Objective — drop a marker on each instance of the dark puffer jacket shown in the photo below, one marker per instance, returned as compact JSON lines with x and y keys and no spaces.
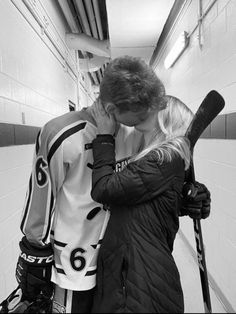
{"x":136,"y":270}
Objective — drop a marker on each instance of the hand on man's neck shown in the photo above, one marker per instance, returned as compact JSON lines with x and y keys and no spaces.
{"x":89,"y":111}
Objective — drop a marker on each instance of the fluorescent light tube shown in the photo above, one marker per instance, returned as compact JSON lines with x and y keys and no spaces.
{"x":178,"y":48}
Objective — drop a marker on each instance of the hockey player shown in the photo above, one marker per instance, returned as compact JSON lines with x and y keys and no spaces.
{"x":62,"y":226}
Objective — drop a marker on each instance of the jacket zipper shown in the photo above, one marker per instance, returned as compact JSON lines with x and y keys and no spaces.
{"x":124,"y":290}
{"x":123,"y":274}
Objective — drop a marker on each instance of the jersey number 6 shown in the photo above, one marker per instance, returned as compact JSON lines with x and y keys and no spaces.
{"x":41,"y":173}
{"x":77,"y":261}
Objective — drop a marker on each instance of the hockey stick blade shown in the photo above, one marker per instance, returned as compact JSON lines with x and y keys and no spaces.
{"x":210,"y":107}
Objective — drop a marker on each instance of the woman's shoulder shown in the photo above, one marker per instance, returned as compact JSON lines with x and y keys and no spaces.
{"x":155,"y":157}
{"x":153,"y":161}
{"x":157,"y":176}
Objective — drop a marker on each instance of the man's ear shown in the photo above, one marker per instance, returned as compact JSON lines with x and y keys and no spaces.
{"x":109,"y":107}
{"x":163,"y":104}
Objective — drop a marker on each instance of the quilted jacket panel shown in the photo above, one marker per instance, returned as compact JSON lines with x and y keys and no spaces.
{"x":136,"y":269}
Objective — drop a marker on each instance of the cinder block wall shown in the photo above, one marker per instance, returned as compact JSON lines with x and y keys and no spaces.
{"x":35,"y":86}
{"x":195,"y":73}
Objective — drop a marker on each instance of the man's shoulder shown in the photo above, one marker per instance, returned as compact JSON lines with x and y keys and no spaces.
{"x":68,"y":123}
{"x":65,"y":119}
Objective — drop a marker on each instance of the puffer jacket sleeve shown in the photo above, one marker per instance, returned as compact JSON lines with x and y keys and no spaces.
{"x":138,"y":182}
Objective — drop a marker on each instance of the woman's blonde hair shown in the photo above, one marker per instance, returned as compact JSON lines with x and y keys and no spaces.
{"x":168,"y":138}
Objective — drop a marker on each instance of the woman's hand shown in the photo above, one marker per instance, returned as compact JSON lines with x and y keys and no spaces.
{"x":105,"y":122}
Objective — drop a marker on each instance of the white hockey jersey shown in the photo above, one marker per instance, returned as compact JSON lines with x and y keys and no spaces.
{"x":58,"y":206}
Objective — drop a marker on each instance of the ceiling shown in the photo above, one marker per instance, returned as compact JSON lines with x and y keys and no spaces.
{"x":131,"y":27}
{"x":134,"y":26}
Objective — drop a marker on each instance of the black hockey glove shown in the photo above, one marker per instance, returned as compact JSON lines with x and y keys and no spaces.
{"x":17,"y":303}
{"x":33,"y":270}
{"x":196,"y":201}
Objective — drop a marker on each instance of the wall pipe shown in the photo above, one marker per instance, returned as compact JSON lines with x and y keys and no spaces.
{"x":92,"y":21}
{"x":200,"y":23}
{"x":98,"y":19}
{"x":91,"y":18}
{"x":79,"y":6}
{"x":74,"y":28}
{"x":81,"y":11}
{"x":99,"y":25}
{"x":91,"y":65}
{"x":88,"y":43}
{"x":96,"y":34}
{"x":68,"y":15}
{"x":201,"y":17}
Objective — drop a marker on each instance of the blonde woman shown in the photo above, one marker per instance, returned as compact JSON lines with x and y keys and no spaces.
{"x":136,"y":269}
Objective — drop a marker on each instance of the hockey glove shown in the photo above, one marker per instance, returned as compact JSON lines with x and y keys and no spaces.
{"x":33,"y":270}
{"x":196,"y":201}
{"x":16,"y":303}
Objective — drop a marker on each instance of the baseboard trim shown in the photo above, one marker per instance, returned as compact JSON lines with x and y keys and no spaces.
{"x":17,"y":134}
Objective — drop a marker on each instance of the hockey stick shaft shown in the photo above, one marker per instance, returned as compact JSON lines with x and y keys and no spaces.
{"x":212,"y":104}
{"x":201,"y":257}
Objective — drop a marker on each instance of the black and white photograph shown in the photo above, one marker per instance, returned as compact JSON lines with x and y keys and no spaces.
{"x":117,"y":156}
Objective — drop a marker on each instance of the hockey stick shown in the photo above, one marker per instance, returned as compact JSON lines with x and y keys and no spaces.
{"x":212,"y":104}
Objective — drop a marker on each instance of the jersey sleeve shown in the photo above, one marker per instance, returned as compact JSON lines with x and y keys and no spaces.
{"x":48,"y":172}
{"x":136,"y":183}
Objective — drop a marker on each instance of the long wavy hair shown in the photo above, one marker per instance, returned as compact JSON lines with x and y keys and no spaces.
{"x":168,"y":137}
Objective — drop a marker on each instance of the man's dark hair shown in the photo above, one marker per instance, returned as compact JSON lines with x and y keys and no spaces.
{"x":131,"y":85}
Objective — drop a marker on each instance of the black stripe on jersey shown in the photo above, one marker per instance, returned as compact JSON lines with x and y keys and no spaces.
{"x":37,"y":143}
{"x":91,"y":272}
{"x":60,"y":271}
{"x":88,"y":146}
{"x":93,"y":213}
{"x":64,"y":135}
{"x":96,"y":245}
{"x":49,"y":218}
{"x":90,"y":165}
{"x":27,"y":205}
{"x":60,"y":243}
{"x":65,"y":297}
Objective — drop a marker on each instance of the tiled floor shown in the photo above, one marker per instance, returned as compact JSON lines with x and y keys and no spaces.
{"x":190,"y":279}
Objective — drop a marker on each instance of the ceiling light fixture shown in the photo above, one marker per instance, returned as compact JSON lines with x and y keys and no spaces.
{"x":180,"y":45}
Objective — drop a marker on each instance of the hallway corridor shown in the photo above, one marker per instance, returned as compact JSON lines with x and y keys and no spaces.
{"x":53,"y":58}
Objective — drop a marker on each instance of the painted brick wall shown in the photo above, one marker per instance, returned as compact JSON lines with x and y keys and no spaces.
{"x":14,"y":174}
{"x":34,"y":87}
{"x":195,"y":73}
{"x":32,"y":81}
